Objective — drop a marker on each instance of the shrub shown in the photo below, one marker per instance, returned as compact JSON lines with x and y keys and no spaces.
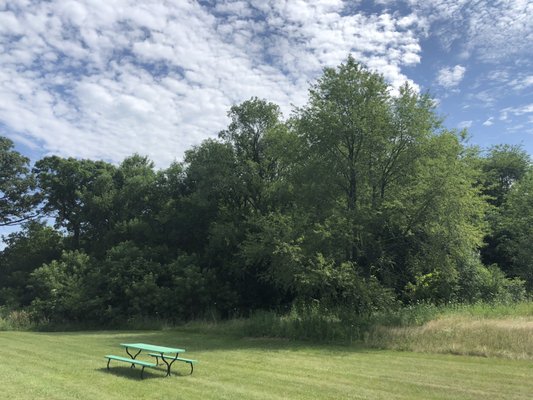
{"x":62,"y":288}
{"x":341,"y":289}
{"x":15,"y":320}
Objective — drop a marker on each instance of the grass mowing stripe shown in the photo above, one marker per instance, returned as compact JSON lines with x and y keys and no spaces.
{"x":249,"y":369}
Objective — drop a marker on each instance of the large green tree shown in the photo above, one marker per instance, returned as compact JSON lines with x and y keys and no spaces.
{"x":76,"y":193}
{"x":392,"y":189}
{"x":501,"y":167}
{"x":26,"y":250}
{"x":17,"y":199}
{"x":515,"y":230}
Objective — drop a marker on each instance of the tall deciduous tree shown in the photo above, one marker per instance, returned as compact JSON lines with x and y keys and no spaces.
{"x":253,"y":134}
{"x":26,"y":250}
{"x":515,"y":230}
{"x":395,"y":188}
{"x":502,"y":167}
{"x":17,"y":200}
{"x":68,"y":186}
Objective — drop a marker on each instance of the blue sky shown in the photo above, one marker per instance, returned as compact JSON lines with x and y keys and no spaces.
{"x":104,"y":79}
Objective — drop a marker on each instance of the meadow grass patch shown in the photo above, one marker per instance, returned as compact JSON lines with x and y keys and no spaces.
{"x":70,"y":365}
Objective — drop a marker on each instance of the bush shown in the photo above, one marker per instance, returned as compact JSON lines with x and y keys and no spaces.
{"x":304,"y":322}
{"x":434,"y":287}
{"x":15,"y":320}
{"x":340,"y":289}
{"x":62,"y":288}
{"x":489,"y":284}
{"x":472,"y":283}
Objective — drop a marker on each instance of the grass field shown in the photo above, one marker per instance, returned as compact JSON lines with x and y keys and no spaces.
{"x":72,"y":366}
{"x":509,"y":338}
{"x":480,"y":329}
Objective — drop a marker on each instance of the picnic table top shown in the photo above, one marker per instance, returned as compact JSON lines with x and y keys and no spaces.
{"x":152,"y":347}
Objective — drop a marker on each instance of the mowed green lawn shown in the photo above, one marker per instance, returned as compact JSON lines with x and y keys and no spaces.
{"x":72,"y":366}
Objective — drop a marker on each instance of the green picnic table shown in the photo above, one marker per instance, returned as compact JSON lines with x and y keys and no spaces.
{"x":165,"y":353}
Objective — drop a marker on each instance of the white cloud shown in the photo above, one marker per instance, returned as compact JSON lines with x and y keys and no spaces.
{"x":527,"y":109}
{"x":104,"y":79}
{"x":450,"y":77}
{"x":522,"y":83}
{"x":490,"y":31}
{"x":464,"y":124}
{"x":508,"y":112}
{"x":489,"y":122}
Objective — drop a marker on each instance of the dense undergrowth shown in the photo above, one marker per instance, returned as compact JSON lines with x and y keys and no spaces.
{"x":315,"y":324}
{"x":501,"y":330}
{"x":482,"y":329}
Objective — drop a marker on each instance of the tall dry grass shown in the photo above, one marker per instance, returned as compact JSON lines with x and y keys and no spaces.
{"x":460,"y":334}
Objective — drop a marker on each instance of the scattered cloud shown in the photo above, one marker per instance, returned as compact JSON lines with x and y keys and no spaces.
{"x":508,"y":112}
{"x":450,"y":77}
{"x":464,"y":124}
{"x":527,"y":109}
{"x":100,"y":79}
{"x":489,"y":31}
{"x":522,"y":83}
{"x":489,"y":122}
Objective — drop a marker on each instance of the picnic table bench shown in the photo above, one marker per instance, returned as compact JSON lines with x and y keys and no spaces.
{"x":165,"y":353}
{"x":168,"y":357}
{"x":132,"y":361}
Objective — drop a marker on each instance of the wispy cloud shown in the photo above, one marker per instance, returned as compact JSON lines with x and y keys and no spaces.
{"x":464,"y":124}
{"x":450,"y":77}
{"x":527,"y":109}
{"x":104,"y":79}
{"x":522,"y":82}
{"x":489,"y":31}
{"x":489,"y":122}
{"x":508,"y":112}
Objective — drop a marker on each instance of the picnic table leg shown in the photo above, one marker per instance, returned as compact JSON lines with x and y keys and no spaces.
{"x":132,"y":356}
{"x":166,"y":362}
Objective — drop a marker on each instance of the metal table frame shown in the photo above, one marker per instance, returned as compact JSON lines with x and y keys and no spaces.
{"x":155,"y":349}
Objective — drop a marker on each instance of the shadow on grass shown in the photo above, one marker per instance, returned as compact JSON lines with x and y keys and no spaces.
{"x":135,"y":373}
{"x":131,"y":373}
{"x":196,"y":343}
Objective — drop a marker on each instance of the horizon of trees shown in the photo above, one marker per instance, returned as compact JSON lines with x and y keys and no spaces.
{"x":360,"y":201}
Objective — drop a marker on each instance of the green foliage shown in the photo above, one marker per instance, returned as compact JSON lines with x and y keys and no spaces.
{"x":26,"y":250}
{"x":130,"y":282}
{"x":61,"y":288}
{"x":472,"y":282}
{"x":274,"y":247}
{"x":341,"y":288}
{"x":17,"y":200}
{"x":395,"y":193}
{"x":185,"y":290}
{"x":515,"y":230}
{"x":502,"y":167}
{"x":75,"y":193}
{"x":361,"y":200}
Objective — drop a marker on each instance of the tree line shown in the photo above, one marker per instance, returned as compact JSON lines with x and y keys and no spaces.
{"x":361,"y":200}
